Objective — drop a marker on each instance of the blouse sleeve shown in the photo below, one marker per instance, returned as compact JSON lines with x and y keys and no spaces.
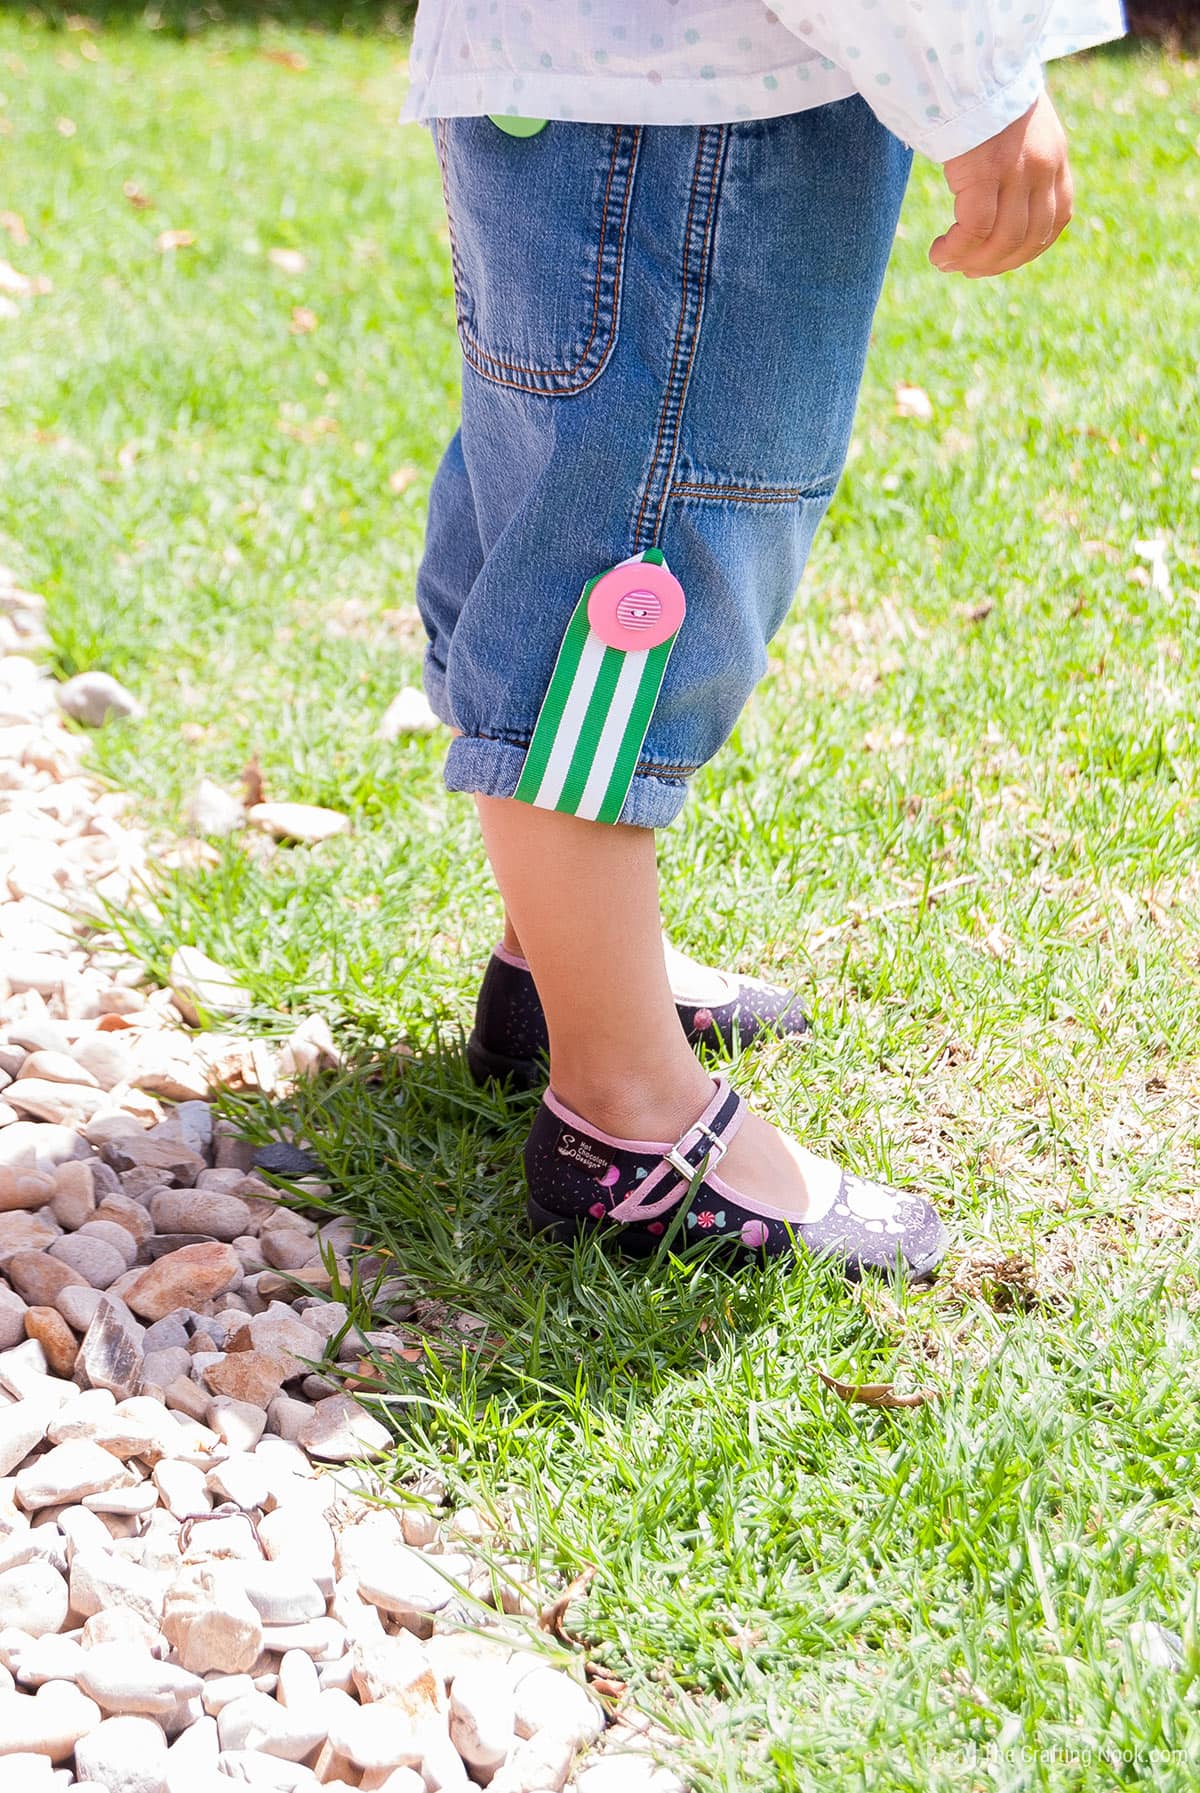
{"x":944,"y":75}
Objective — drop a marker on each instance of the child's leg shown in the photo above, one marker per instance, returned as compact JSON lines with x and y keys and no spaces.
{"x":663,"y":334}
{"x":585,"y":900}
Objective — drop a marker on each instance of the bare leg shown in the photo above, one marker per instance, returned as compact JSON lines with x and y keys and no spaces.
{"x":584,"y":902}
{"x":583,"y":899}
{"x":690,"y":981}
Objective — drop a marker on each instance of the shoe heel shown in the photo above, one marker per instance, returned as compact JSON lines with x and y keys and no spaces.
{"x":496,"y":1067}
{"x":563,"y":1229}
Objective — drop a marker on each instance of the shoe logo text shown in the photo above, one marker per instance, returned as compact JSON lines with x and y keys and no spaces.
{"x":581,"y":1152}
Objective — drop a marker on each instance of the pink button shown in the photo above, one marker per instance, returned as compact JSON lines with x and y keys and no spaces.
{"x":636,"y":606}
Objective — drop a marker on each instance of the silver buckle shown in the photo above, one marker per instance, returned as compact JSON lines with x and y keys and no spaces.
{"x":717,"y":1149}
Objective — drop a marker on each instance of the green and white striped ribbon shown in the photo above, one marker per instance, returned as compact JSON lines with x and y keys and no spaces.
{"x":593,"y":720}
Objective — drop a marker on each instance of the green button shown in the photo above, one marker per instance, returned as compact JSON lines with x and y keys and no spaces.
{"x":517,"y":127}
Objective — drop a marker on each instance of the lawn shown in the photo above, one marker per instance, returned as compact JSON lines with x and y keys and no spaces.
{"x":964,"y":812}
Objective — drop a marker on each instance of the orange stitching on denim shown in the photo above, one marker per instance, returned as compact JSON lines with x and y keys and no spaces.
{"x":473,"y":348}
{"x":710,"y":224}
{"x":662,"y":415}
{"x":653,"y":769}
{"x":751,"y":494}
{"x":557,"y":372}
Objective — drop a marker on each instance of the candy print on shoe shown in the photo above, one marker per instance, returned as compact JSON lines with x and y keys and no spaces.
{"x":641,"y":1188}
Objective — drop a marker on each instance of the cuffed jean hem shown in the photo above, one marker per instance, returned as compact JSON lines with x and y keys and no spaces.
{"x":493,"y":769}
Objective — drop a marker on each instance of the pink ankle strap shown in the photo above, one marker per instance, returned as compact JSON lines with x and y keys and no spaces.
{"x":704,"y":1143}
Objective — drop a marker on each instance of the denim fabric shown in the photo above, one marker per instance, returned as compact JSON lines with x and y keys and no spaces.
{"x":663,"y":333}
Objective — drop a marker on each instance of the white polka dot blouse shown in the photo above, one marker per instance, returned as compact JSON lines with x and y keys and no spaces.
{"x":944,"y":75}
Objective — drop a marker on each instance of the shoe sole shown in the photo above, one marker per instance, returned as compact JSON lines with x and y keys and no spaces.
{"x":564,"y":1229}
{"x":496,"y":1067}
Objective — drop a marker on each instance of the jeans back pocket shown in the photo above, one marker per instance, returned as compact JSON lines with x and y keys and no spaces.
{"x":537,"y":233}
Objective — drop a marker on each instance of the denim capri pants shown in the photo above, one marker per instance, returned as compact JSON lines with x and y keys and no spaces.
{"x":663,"y":332}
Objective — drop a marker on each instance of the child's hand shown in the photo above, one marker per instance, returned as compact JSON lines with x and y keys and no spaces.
{"x":1012,"y":197}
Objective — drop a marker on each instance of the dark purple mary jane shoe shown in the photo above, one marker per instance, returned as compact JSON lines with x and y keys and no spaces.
{"x":509,"y":1041}
{"x":581,"y":1178}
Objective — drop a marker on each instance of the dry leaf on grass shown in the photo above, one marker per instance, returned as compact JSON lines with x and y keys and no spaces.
{"x":914,"y":401}
{"x":141,"y":202}
{"x":168,"y":240}
{"x":303,"y":320}
{"x":878,"y":1394}
{"x":252,"y":782}
{"x":997,"y":943}
{"x":290,"y":59}
{"x":290,"y":261}
{"x":604,"y":1683}
{"x":401,"y":479}
{"x":552,"y":1618}
{"x":14,"y":224}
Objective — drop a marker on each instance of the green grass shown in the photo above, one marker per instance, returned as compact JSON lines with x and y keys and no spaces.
{"x":978,"y":693}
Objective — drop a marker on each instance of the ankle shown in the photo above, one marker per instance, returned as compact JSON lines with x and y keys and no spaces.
{"x":655,"y":1102}
{"x":510,"y":940}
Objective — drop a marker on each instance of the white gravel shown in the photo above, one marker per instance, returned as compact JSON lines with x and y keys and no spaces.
{"x":199,"y":1584}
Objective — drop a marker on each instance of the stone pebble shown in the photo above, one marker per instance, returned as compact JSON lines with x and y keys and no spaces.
{"x":47,"y":1326}
{"x":204,"y":1211}
{"x":125,"y":1755}
{"x":179,"y":1463}
{"x":96,"y":1260}
{"x":192,"y":1273}
{"x":66,"y":1473}
{"x":12,"y":1318}
{"x":23,"y":1427}
{"x":481,"y":1719}
{"x":547,"y":1700}
{"x":124,"y":1680}
{"x":77,"y":1303}
{"x":39,"y":1277}
{"x":50,"y":1722}
{"x":33,"y":1598}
